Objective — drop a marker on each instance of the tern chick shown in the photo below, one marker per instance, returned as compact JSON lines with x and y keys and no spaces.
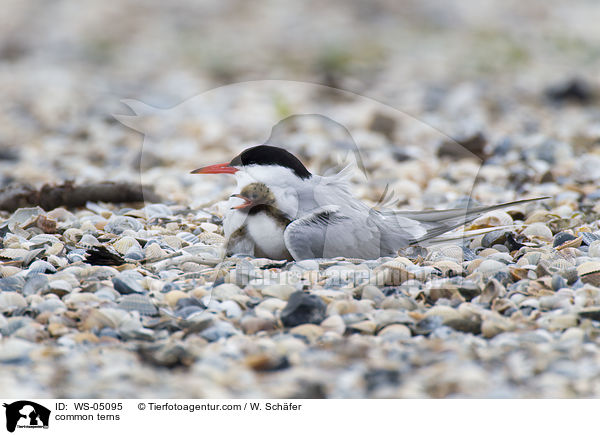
{"x":264,"y":226}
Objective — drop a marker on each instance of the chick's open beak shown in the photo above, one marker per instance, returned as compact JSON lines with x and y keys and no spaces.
{"x":246,"y":203}
{"x":221,"y":168}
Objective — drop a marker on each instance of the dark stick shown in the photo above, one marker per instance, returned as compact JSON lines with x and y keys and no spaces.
{"x":68,"y":194}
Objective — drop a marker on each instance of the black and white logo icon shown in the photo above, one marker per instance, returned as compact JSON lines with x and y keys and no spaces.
{"x":24,"y":414}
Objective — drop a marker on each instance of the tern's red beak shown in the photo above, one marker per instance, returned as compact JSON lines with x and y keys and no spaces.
{"x":247,"y":202}
{"x":221,"y":168}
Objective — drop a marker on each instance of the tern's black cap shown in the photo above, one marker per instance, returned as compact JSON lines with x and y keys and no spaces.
{"x":269,"y":155}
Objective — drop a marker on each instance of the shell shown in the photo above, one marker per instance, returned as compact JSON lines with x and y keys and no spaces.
{"x":24,"y":217}
{"x":104,"y":318}
{"x":87,"y":241}
{"x":398,"y":263}
{"x":13,"y":254}
{"x":209,"y":227}
{"x":588,"y":267}
{"x":570,"y":243}
{"x":41,"y":240}
{"x":489,"y":268}
{"x":594,"y":250}
{"x":31,"y":255}
{"x":134,"y":253}
{"x":76,"y":255}
{"x":173,"y":242}
{"x":496,"y":218}
{"x":538,"y":231}
{"x":448,"y":268}
{"x":55,"y":249}
{"x":6,"y":271}
{"x":41,"y":266}
{"x":590,"y":273}
{"x":58,"y":287}
{"x":589,"y":238}
{"x":10,"y":301}
{"x":188,"y":237}
{"x":561,"y":264}
{"x":89,"y":228}
{"x":538,"y":216}
{"x":124,"y":244}
{"x":72,"y":235}
{"x":154,"y":211}
{"x":139,"y":303}
{"x":154,"y":252}
{"x":119,"y":224}
{"x":61,"y":215}
{"x":135,"y":213}
{"x":211,"y":238}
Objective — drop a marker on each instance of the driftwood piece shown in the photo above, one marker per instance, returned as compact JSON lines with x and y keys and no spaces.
{"x":68,"y":194}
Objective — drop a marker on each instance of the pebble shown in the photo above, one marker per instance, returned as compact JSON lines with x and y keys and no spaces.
{"x":278,"y":291}
{"x":308,"y":331}
{"x":303,"y":308}
{"x":127,"y":285}
{"x":225,"y":291}
{"x":395,"y":332}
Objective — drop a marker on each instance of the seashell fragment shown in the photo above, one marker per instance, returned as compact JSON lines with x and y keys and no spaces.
{"x":590,"y":273}
{"x":139,"y":303}
{"x":124,"y":244}
{"x":538,"y":230}
{"x":119,"y":224}
{"x":211,"y":238}
{"x":154,"y":252}
{"x":188,"y":237}
{"x":72,"y":235}
{"x":496,"y":218}
{"x":10,"y":301}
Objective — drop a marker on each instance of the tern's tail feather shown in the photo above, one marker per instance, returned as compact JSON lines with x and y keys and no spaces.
{"x":437,"y":222}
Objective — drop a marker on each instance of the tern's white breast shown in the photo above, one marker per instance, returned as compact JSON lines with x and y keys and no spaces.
{"x":267,"y":235}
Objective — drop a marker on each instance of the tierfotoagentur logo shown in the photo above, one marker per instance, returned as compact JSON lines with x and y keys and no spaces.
{"x":24,"y":414}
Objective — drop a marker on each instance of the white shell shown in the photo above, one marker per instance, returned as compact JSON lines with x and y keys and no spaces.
{"x":11,"y":301}
{"x":496,"y":218}
{"x":154,"y":252}
{"x":538,"y":231}
{"x":72,"y":235}
{"x":211,"y":238}
{"x":124,"y":244}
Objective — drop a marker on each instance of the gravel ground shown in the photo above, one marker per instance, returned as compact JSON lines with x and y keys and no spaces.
{"x":489,"y":100}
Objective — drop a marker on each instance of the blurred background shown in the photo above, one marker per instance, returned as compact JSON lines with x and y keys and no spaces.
{"x":462,"y":67}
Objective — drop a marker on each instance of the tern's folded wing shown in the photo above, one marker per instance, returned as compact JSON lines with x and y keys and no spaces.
{"x":334,"y":231}
{"x":305,"y":237}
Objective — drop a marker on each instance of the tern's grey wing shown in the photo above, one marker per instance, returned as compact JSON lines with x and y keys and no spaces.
{"x":357,"y":231}
{"x":305,"y":237}
{"x":334,"y":231}
{"x":327,"y":233}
